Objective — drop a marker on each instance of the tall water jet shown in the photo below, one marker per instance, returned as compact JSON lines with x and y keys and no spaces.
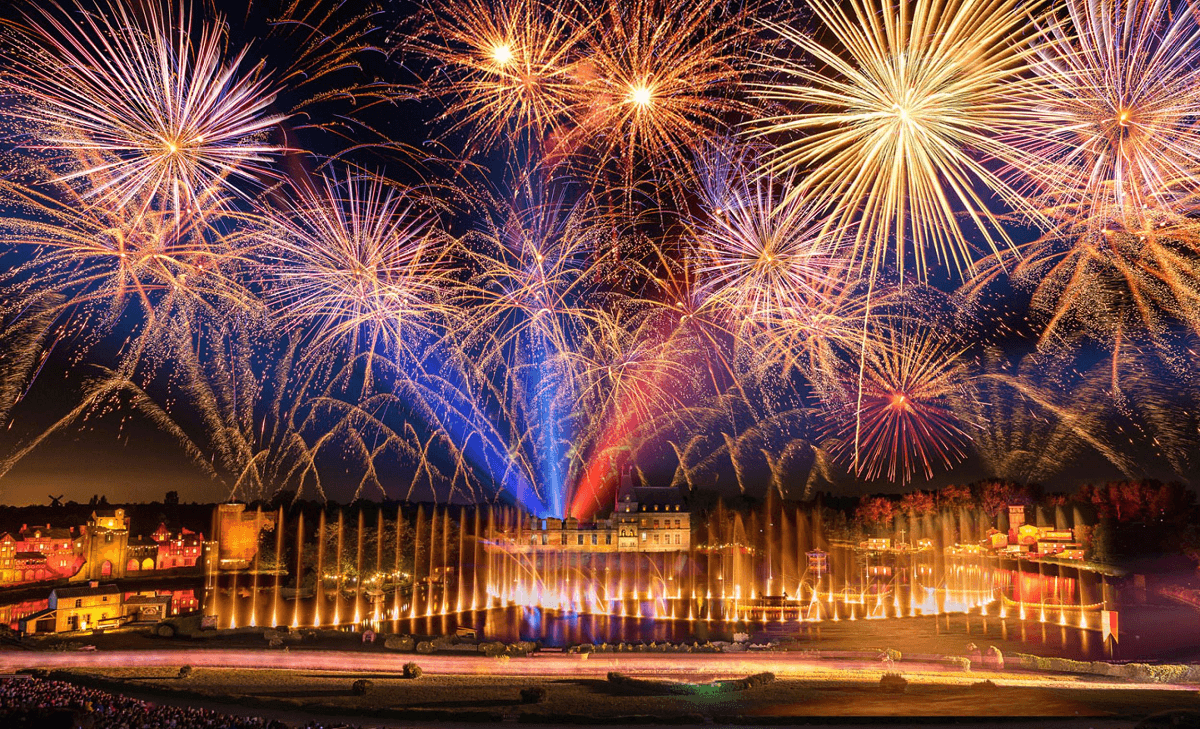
{"x":358,"y":570}
{"x":299,"y":569}
{"x":278,"y":568}
{"x":445,"y":559}
{"x":319,"y":587}
{"x":476,"y":561}
{"x":339,"y":574}
{"x":416,"y":581}
{"x":396,"y":569}
{"x":257,"y":561}
{"x":492,"y":573}
{"x":379,"y":571}
{"x":211,"y":566}
{"x":433,"y":537}
{"x":462,"y":551}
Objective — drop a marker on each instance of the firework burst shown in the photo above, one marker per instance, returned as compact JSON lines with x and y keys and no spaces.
{"x":765,"y":257}
{"x":1112,"y":157}
{"x":905,"y":421}
{"x":356,"y":260}
{"x":502,"y":67}
{"x":1109,"y":137}
{"x":143,"y":105}
{"x":537,"y":269}
{"x":659,"y":80}
{"x":897,"y":118}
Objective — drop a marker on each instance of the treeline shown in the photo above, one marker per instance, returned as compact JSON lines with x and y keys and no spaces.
{"x":1116,"y":521}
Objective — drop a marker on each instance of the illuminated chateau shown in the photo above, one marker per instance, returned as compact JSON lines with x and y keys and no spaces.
{"x":644,"y":519}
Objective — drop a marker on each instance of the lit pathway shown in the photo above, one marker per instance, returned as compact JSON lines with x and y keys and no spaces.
{"x":697,"y":667}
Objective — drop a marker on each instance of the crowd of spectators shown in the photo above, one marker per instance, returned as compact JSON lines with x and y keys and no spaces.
{"x":35,"y":703}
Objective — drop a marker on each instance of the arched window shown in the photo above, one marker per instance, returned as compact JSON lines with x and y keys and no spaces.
{"x":132,"y":566}
{"x":106,"y":569}
{"x":147,"y":564}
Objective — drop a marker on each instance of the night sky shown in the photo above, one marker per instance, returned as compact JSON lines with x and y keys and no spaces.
{"x":393,"y":125}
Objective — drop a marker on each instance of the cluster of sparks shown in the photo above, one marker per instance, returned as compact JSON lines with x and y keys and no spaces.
{"x":712,"y":236}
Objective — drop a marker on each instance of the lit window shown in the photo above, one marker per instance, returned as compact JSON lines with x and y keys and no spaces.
{"x":643,"y":536}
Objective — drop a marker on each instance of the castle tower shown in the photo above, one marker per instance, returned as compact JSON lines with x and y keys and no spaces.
{"x":104,"y":543}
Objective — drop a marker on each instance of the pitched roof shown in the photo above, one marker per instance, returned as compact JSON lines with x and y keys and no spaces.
{"x":660,"y":495}
{"x":86,"y":591}
{"x":47,"y":532}
{"x":147,"y":599}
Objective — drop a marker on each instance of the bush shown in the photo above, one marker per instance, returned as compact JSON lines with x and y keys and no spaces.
{"x":360,"y":686}
{"x":425,"y":648}
{"x":276,"y":642}
{"x":892,"y":655}
{"x":534,"y":695}
{"x":893,"y":683}
{"x":759,"y":679}
{"x":986,"y":685}
{"x":164,"y":630}
{"x":1154,"y":674}
{"x":491,"y":650}
{"x":185,"y":671}
{"x":400,"y":643}
{"x":962,"y":663}
{"x":412,"y":670}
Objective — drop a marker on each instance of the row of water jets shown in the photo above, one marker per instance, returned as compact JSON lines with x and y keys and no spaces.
{"x":777,"y":566}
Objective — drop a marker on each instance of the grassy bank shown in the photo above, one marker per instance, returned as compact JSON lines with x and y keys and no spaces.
{"x":489,"y":699}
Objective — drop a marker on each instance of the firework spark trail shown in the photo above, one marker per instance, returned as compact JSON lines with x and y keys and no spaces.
{"x":315,"y":51}
{"x":161,"y":114}
{"x":95,"y":255}
{"x":1028,"y":431}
